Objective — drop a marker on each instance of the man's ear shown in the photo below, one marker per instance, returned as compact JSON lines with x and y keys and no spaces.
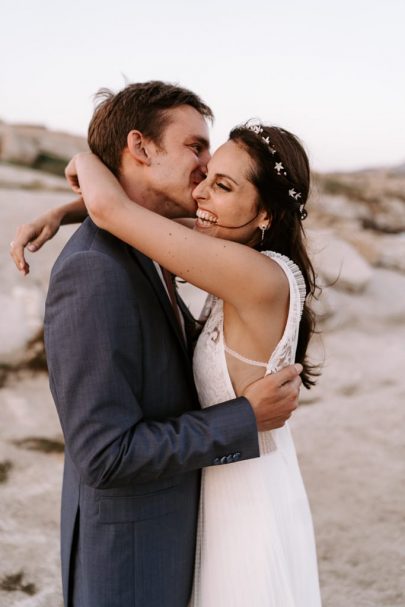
{"x":138,"y":147}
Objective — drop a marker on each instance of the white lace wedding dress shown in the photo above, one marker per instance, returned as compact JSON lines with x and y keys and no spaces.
{"x":255,"y":543}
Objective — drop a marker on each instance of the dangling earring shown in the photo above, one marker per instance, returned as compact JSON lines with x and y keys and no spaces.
{"x":263,"y":229}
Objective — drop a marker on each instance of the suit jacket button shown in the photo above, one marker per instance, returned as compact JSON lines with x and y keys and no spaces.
{"x":223,"y":459}
{"x":229,"y":459}
{"x":236,"y":457}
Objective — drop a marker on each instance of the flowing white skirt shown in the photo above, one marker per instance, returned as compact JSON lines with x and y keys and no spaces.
{"x":255,"y":544}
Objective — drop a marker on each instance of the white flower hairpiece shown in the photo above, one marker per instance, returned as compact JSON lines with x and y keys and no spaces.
{"x":256,"y":128}
{"x":278,"y":166}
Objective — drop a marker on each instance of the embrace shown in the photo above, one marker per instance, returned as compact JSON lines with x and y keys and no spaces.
{"x":181,"y":484}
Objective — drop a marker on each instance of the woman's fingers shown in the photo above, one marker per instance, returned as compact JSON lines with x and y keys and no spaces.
{"x":71,"y":176}
{"x":25,"y":234}
{"x":45,"y":235}
{"x":31,"y":237}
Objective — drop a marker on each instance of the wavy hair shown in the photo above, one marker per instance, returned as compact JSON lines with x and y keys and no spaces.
{"x":268,"y":145}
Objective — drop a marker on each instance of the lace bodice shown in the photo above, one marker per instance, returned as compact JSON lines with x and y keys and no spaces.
{"x":210,"y":369}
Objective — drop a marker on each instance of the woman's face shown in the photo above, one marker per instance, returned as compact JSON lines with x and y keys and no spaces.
{"x":227,"y":200}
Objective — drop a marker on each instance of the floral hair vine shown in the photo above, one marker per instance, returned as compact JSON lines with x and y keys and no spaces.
{"x":279,"y":167}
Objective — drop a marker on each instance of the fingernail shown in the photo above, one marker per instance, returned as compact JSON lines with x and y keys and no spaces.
{"x":299,"y":368}
{"x":31,"y":247}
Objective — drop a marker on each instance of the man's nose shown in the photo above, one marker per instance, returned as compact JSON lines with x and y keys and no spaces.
{"x":205,"y":157}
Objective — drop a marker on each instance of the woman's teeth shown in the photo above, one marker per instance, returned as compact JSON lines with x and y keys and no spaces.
{"x":206,"y":217}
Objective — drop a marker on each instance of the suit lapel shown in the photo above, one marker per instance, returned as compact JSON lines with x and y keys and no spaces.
{"x":150,"y":272}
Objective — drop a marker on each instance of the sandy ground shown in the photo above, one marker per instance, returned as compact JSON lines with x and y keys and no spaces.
{"x":352,"y":452}
{"x":349,"y":434}
{"x":29,"y":524}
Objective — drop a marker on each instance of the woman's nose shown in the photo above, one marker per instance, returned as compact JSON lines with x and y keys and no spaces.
{"x":200,"y":190}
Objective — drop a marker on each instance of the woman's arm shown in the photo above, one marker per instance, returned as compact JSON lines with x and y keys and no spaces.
{"x":36,"y":233}
{"x":232,"y":271}
{"x":186,"y":221}
{"x":72,"y":212}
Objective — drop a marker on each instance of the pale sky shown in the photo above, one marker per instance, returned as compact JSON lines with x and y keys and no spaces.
{"x":331,"y":72}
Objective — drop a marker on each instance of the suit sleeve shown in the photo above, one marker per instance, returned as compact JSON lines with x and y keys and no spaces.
{"x":94,"y":351}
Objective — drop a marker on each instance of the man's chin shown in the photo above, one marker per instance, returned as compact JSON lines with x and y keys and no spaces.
{"x":187,"y":209}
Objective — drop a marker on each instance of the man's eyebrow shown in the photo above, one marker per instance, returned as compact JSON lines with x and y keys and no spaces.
{"x":201,"y":140}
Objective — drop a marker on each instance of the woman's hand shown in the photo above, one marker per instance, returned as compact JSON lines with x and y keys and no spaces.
{"x":32,"y":236}
{"x":36,"y":233}
{"x":71,"y":173}
{"x":84,"y":173}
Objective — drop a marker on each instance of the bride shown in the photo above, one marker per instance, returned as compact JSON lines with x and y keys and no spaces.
{"x":255,"y":540}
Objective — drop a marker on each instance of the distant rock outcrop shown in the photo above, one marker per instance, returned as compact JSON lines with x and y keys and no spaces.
{"x":338,"y":263}
{"x":398,"y":170}
{"x":375,"y":199}
{"x":37,"y":147}
{"x":23,"y":310}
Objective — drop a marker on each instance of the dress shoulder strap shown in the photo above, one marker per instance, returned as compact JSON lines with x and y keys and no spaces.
{"x":284,"y":353}
{"x":248,"y":361}
{"x":293,"y":273}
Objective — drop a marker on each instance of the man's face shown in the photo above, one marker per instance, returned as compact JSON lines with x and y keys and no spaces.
{"x":181,"y":162}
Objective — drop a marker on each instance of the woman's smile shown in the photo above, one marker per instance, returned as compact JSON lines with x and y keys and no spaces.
{"x":205,"y":218}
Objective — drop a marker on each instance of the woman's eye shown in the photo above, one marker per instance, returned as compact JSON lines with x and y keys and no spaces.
{"x":223,"y":187}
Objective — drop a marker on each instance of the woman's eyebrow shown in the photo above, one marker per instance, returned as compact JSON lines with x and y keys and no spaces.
{"x":222,"y":175}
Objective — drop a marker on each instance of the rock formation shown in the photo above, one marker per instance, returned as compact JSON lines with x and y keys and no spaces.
{"x":37,"y":147}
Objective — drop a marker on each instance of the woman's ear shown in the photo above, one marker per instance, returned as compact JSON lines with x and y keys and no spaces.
{"x":265,"y":219}
{"x":138,"y":147}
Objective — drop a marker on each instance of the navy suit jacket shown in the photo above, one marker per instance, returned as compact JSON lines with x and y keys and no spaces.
{"x":135,"y":437}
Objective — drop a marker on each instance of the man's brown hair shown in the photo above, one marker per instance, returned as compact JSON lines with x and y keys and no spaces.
{"x":141,"y":106}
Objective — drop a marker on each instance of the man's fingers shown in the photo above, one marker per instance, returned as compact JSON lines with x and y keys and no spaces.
{"x":292,"y":391}
{"x":295,"y":385}
{"x":290,"y":373}
{"x":299,"y":368}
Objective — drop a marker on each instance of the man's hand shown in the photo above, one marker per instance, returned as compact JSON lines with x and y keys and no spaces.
{"x":275,"y":397}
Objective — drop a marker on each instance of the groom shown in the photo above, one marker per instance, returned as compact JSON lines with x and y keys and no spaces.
{"x":121,"y":375}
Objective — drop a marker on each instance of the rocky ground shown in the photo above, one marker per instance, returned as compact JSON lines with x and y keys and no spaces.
{"x":349,"y":430}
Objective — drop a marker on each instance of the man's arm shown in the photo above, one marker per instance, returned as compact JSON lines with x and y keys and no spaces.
{"x":94,"y":349}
